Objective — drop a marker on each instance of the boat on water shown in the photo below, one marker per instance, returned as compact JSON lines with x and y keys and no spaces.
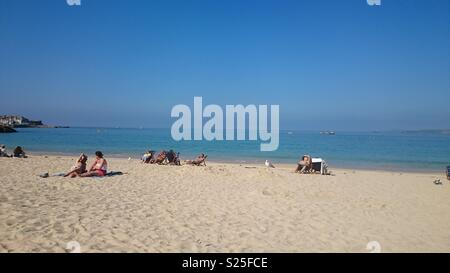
{"x":330,"y":133}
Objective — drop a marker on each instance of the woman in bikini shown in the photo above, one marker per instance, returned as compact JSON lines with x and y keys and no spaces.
{"x":99,"y":168}
{"x":201,"y":159}
{"x":79,"y":168}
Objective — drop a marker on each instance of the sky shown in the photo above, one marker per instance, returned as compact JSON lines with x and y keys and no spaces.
{"x":338,"y":65}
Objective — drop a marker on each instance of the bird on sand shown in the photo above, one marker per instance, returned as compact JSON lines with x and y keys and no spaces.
{"x":269,"y":164}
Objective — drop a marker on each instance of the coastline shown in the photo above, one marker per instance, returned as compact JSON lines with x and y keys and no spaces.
{"x":218,"y":208}
{"x":362,"y":151}
{"x":258,"y":162}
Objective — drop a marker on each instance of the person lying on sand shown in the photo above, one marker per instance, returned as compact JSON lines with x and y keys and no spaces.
{"x":99,"y":168}
{"x":79,"y":168}
{"x":201,"y":159}
{"x":304,"y":165}
{"x":18,"y":152}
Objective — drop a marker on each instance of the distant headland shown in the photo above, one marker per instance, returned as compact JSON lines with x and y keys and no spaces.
{"x":435,"y":131}
{"x":8,"y":122}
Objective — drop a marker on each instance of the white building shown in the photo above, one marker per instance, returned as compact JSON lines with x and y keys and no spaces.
{"x":18,"y":121}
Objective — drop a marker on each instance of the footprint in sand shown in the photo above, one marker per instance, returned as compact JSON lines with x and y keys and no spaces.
{"x":10,"y":222}
{"x":188,"y":247}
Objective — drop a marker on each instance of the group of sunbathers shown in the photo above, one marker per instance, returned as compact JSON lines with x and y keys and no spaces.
{"x":98,"y":168}
{"x":17,"y":152}
{"x":100,"y":165}
{"x":170,"y":158}
{"x":162,"y":158}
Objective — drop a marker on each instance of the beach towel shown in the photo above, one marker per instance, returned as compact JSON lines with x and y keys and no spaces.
{"x":47,"y":175}
{"x":109,"y":174}
{"x":114,"y":173}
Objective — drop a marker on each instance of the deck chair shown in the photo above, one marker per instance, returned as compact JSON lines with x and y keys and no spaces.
{"x":198,"y":162}
{"x":151,"y":158}
{"x":319,"y":165}
{"x":161,"y":158}
{"x":173,"y":158}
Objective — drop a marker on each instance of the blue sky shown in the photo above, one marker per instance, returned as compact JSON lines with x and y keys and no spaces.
{"x":341,"y":65}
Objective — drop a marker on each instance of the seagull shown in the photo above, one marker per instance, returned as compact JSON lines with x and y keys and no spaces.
{"x":269,"y":164}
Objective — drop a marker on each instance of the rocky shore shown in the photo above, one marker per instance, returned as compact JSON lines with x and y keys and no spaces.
{"x":6,"y":129}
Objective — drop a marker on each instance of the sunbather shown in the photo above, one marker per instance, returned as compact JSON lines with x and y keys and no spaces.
{"x":173,"y":158}
{"x":98,"y":168}
{"x":201,"y":159}
{"x":304,"y":165}
{"x":78,"y":168}
{"x":161,"y":158}
{"x":18,"y":152}
{"x":3,"y":151}
{"x":148,"y":157}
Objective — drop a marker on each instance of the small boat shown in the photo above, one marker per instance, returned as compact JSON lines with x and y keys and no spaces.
{"x":330,"y":133}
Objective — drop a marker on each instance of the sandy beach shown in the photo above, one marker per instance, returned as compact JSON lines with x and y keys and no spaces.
{"x":219,"y":208}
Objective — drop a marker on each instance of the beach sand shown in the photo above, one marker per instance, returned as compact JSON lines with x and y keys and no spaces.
{"x":219,"y":208}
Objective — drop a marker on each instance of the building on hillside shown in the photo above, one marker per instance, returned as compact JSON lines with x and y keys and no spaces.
{"x":19,"y":121}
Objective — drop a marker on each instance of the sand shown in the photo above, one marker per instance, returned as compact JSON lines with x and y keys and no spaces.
{"x":219,"y":208}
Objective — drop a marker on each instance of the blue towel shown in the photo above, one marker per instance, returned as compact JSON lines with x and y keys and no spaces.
{"x":109,"y":174}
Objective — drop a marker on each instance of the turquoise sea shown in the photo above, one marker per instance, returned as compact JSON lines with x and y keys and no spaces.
{"x":366,"y":150}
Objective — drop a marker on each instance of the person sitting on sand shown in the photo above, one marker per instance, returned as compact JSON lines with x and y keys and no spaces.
{"x":99,"y":168}
{"x":161,"y":158}
{"x":148,"y":156}
{"x":201,"y":159}
{"x":173,"y":158}
{"x":304,"y":165}
{"x":79,"y":168}
{"x":3,"y":151}
{"x":18,"y":152}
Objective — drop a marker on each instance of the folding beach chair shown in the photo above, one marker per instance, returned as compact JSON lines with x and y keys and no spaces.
{"x":319,"y":165}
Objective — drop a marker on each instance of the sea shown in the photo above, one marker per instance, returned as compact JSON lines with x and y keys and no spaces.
{"x":391,"y":151}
